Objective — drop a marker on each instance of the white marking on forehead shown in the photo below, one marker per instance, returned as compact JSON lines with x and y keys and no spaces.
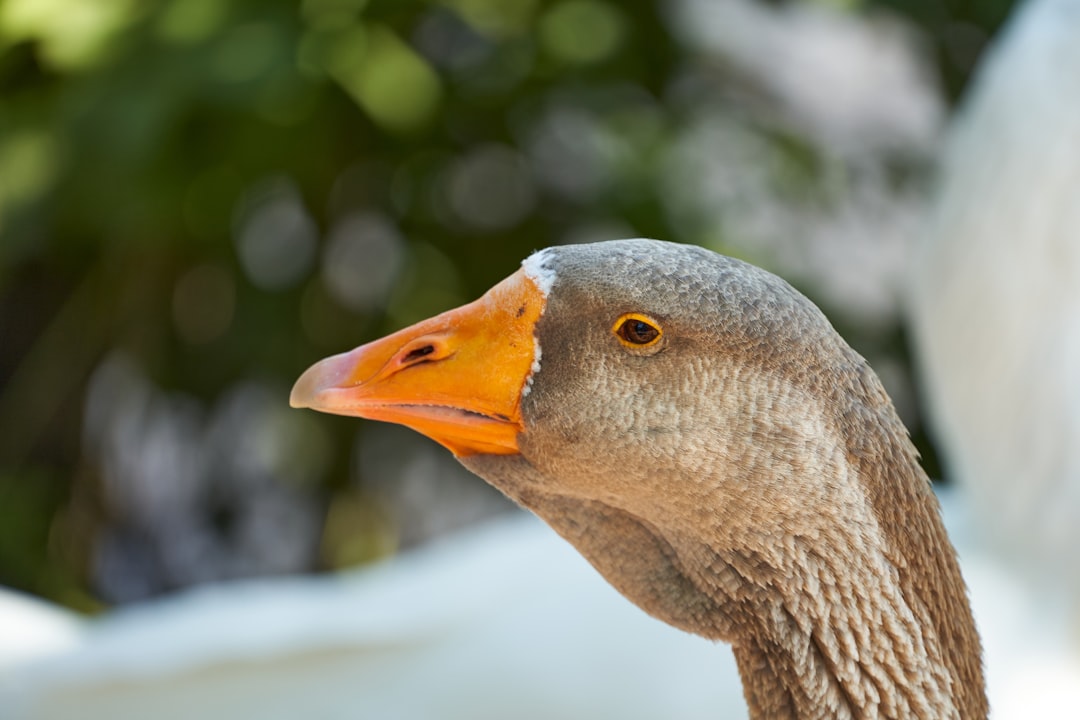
{"x":544,"y":277}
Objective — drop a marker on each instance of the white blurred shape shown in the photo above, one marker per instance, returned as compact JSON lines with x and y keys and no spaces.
{"x":146,"y":443}
{"x":193,"y":495}
{"x":503,"y":621}
{"x":33,"y":629}
{"x":362,"y":261}
{"x":1030,"y":669}
{"x":995,"y":301}
{"x":491,"y":188}
{"x":853,"y":79}
{"x":275,"y":235}
{"x":451,"y":43}
{"x":570,"y":151}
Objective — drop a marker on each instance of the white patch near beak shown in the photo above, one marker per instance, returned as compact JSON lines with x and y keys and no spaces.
{"x":544,"y":278}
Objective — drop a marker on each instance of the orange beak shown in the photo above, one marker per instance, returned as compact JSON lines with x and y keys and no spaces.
{"x":457,"y":378}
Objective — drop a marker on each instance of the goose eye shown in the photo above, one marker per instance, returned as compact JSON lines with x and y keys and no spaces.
{"x":637,"y":330}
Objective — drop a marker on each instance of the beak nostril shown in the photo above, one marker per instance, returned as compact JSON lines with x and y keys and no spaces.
{"x":417,"y":354}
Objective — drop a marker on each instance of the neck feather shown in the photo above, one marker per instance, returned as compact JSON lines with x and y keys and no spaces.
{"x":869,"y":616}
{"x":841,"y":639}
{"x":927,"y":570}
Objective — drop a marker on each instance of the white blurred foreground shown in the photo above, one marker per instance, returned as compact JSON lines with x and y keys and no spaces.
{"x":995,"y":297}
{"x":503,"y":620}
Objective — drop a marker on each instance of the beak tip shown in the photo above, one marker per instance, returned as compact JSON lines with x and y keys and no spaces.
{"x":306,"y":388}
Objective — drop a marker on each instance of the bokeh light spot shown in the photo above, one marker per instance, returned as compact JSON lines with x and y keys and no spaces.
{"x":362,"y":261}
{"x":276,"y":236}
{"x":491,"y":188}
{"x":571,"y":152}
{"x":582,"y":31}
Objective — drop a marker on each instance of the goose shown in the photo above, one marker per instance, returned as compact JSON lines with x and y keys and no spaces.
{"x":700,"y":433}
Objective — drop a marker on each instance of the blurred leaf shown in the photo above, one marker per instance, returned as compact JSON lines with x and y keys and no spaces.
{"x":582,"y":31}
{"x":74,"y":34}
{"x":191,"y":21}
{"x":387,"y":78}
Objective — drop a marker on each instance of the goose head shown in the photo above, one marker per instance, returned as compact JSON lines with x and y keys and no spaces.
{"x":699,"y":432}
